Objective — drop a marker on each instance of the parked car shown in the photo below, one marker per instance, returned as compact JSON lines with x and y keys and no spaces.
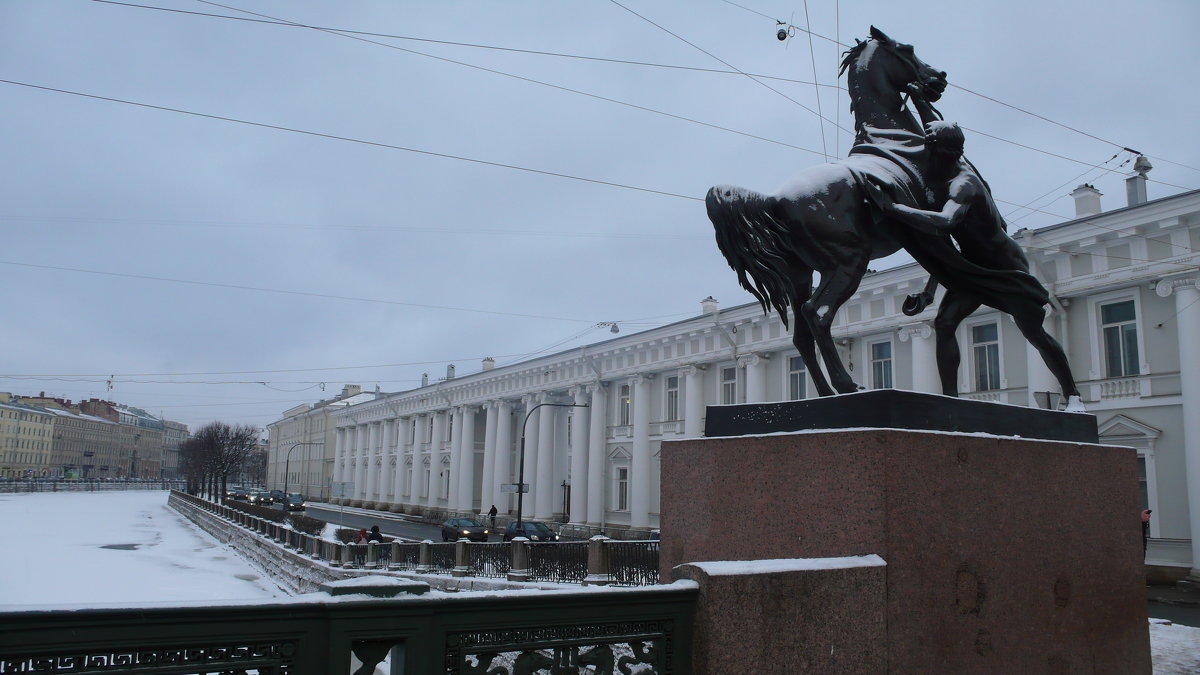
{"x":457,"y":528}
{"x":278,"y":496}
{"x":530,"y":530}
{"x":293,"y":502}
{"x":259,"y":498}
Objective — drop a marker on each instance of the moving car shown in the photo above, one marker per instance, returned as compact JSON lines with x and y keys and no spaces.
{"x":293,"y":502}
{"x":530,"y":530}
{"x":277,"y":497}
{"x":457,"y":528}
{"x":259,"y":498}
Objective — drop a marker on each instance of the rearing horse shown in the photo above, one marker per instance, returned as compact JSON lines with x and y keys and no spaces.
{"x":822,"y":220}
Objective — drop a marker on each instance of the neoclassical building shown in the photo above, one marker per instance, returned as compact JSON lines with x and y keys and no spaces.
{"x":589,"y":421}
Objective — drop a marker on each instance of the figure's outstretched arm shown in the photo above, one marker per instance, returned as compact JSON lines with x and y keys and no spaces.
{"x":924,"y":108}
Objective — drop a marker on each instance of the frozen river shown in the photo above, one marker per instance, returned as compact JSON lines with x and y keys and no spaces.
{"x":115,"y":548}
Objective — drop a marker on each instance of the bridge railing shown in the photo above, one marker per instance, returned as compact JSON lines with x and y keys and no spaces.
{"x":598,"y":561}
{"x":647,"y":630}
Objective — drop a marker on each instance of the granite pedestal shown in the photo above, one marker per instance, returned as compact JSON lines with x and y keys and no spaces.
{"x":1002,"y":555}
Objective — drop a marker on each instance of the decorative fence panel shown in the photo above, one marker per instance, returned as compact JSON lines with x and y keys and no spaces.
{"x":561,"y":562}
{"x":490,"y":560}
{"x":633,"y":563}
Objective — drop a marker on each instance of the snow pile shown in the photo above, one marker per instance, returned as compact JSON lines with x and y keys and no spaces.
{"x":1174,"y":649}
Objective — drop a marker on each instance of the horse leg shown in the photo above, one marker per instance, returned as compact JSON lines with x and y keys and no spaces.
{"x":802,"y":336}
{"x":954,"y":308}
{"x":1029,"y":321}
{"x":835,"y":289}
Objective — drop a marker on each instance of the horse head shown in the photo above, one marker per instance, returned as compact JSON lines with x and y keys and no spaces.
{"x":879,"y":72}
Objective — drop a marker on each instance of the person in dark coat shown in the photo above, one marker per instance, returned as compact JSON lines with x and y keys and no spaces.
{"x":375,"y":535}
{"x":1145,"y":529}
{"x":492,"y":514}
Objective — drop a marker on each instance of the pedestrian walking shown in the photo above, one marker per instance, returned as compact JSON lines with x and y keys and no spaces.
{"x":1145,"y":529}
{"x":492,"y":514}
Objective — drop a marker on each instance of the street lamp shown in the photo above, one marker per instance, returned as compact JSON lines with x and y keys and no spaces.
{"x":521,"y":472}
{"x":288,"y":462}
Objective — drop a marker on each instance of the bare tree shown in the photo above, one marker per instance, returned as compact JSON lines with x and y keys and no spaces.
{"x":219,"y":450}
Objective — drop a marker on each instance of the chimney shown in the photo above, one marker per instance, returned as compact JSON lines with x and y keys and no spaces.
{"x":1135,"y":185}
{"x":489,"y":363}
{"x":1087,"y":200}
{"x":450,"y":372}
{"x":351,"y":390}
{"x":709,"y":305}
{"x":424,"y":379}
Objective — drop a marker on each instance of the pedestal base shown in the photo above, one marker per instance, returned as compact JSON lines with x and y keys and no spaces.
{"x":1002,"y":555}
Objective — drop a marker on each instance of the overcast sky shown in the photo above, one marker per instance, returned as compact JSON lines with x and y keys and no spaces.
{"x":173,"y":251}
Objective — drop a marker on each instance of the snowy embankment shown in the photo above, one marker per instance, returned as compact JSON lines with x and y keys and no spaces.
{"x":116,"y":548}
{"x":129,"y":548}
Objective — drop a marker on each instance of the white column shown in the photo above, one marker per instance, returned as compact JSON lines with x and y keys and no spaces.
{"x":466,"y":461}
{"x":639,"y":464}
{"x":487,"y":485}
{"x":339,"y":454}
{"x":693,"y":401}
{"x":1187,"y":327}
{"x":502,"y":470}
{"x":372,"y":456}
{"x":543,"y":488}
{"x":756,"y":378}
{"x":580,"y":437}
{"x":436,"y":436}
{"x":414,"y":486}
{"x":529,"y":444}
{"x":401,"y":441}
{"x":924,"y":357}
{"x":456,"y":454}
{"x":360,"y":466}
{"x":597,"y":454}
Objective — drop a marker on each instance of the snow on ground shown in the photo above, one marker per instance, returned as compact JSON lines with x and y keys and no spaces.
{"x":115,"y":547}
{"x":122,"y":548}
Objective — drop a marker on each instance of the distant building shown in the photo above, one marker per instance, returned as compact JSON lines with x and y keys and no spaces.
{"x":1125,"y":287}
{"x":174,"y":434}
{"x":91,"y":439}
{"x":26,"y":440}
{"x":306,"y":433}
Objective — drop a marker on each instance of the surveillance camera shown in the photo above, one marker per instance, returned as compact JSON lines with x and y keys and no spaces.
{"x":781,"y":34}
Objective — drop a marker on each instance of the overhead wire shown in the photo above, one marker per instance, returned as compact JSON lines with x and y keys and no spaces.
{"x":360,"y":141}
{"x":812,"y":54}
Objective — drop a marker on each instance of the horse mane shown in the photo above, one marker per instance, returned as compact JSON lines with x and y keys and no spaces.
{"x":756,"y":244}
{"x":849,"y":55}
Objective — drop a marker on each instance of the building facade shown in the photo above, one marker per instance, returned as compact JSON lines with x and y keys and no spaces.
{"x":301,"y":445}
{"x":583,"y":427}
{"x":26,"y":440}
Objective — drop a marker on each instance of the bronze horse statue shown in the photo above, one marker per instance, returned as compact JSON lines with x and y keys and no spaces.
{"x":823,"y":220}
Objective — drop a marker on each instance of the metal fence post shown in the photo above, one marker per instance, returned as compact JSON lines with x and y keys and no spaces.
{"x":462,"y":558}
{"x":599,"y":569}
{"x":519,"y":569}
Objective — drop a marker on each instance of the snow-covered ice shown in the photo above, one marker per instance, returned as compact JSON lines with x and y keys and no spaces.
{"x":115,"y":547}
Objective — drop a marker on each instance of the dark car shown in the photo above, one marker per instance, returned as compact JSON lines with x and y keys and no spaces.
{"x":529,"y":530}
{"x":457,"y":528}
{"x":293,"y":502}
{"x":240,"y":494}
{"x":259,"y":498}
{"x":278,"y":497}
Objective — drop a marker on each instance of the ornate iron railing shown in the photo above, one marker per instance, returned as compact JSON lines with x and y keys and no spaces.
{"x":18,"y":485}
{"x":646,"y":631}
{"x":561,"y":562}
{"x":633,"y":563}
{"x":441,"y":557}
{"x":405,"y":556}
{"x":490,"y":560}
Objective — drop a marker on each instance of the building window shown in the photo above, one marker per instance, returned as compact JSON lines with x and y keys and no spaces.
{"x":621,"y":489}
{"x":623,"y":405}
{"x":881,"y":365}
{"x":797,"y":379}
{"x":1118,"y":324}
{"x":671,"y":398}
{"x":729,"y":385}
{"x":985,"y":354}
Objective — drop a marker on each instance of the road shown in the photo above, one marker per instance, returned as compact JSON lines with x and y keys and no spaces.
{"x":390,"y":524}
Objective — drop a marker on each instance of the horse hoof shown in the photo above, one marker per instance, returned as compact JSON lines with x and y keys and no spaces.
{"x":915,"y":304}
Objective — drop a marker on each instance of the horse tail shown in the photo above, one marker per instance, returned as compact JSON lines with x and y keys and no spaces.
{"x":756,"y":244}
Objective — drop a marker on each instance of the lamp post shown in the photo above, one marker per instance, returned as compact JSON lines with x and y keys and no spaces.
{"x":288,"y":462}
{"x":521,"y":468}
